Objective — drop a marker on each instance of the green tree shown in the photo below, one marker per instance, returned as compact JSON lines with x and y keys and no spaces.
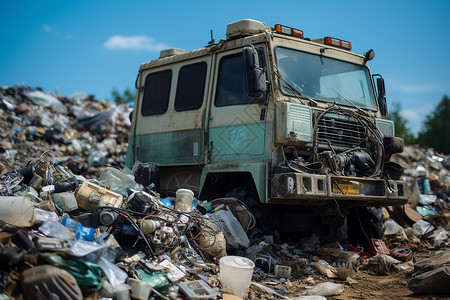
{"x":436,"y":127}
{"x":124,"y":98}
{"x":401,"y":128}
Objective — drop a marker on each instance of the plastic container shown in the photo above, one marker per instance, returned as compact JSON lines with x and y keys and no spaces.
{"x":232,"y":229}
{"x":235,"y":274}
{"x":122,"y":291}
{"x":282,"y":271}
{"x":139,"y":289}
{"x":90,"y":195}
{"x":18,"y":211}
{"x":66,"y":201}
{"x":197,"y":290}
{"x":117,"y":181}
{"x":184,"y":200}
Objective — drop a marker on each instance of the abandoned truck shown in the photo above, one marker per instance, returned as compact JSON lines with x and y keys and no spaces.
{"x":294,"y":128}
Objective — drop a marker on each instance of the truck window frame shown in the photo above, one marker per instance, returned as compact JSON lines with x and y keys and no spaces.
{"x":248,"y":99}
{"x":188,"y":87}
{"x":156,"y":88}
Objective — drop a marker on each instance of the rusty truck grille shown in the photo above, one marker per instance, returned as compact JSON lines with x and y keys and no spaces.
{"x":341,"y":132}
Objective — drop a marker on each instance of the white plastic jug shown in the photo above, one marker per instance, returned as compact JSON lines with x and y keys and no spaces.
{"x":184,"y":200}
{"x":18,"y":211}
{"x":236,"y":274}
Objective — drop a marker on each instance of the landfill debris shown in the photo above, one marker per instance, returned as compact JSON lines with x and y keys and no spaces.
{"x":76,"y":224}
{"x":326,"y":289}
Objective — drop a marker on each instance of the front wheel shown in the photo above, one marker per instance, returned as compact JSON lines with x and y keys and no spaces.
{"x":365,"y":223}
{"x":266,"y":216}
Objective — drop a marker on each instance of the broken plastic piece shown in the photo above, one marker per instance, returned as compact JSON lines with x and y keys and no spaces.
{"x":197,"y":289}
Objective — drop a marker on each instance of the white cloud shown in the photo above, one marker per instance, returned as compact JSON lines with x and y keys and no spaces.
{"x":412,"y":115}
{"x":47,"y":28}
{"x":137,"y":42}
{"x":416,"y":116}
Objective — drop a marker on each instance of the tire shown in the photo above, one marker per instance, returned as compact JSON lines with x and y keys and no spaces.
{"x":267,"y":216}
{"x":365,"y":223}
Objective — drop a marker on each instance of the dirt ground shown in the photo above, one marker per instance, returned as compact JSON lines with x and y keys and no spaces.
{"x":366,"y":283}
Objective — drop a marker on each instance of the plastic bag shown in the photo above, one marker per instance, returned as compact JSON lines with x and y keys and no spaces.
{"x":392,"y":227}
{"x":45,"y":215}
{"x":46,"y":100}
{"x":82,"y":232}
{"x":440,"y":237}
{"x":427,"y":199}
{"x":158,"y":281}
{"x":423,"y":227}
{"x":81,"y":248}
{"x":232,"y":229}
{"x":383,"y":263}
{"x":326,"y":289}
{"x":115,"y":275}
{"x":55,"y":229}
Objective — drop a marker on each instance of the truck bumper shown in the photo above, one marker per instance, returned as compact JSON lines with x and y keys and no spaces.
{"x":312,"y":189}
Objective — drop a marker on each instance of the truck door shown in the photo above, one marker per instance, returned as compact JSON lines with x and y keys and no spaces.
{"x":170,"y":113}
{"x":237,"y":122}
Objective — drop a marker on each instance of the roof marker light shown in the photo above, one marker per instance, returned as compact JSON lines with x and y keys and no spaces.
{"x":337,"y":43}
{"x":288,"y":30}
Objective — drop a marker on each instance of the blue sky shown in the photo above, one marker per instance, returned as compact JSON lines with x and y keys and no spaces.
{"x":98,"y":46}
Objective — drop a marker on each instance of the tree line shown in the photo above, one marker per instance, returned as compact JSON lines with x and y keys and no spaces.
{"x":435,"y":129}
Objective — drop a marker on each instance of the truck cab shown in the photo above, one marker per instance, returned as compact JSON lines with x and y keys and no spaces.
{"x":270,"y":113}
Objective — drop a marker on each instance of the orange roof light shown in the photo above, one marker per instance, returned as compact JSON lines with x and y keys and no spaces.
{"x":288,"y":30}
{"x":337,"y":43}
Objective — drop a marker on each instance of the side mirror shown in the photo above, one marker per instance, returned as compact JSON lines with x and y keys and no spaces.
{"x":255,"y":76}
{"x":381,"y":95}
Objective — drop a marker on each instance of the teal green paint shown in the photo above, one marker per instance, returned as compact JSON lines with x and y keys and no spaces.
{"x":240,"y":142}
{"x":174,"y":148}
{"x":258,"y":171}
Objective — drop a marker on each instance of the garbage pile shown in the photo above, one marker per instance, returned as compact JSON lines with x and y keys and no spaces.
{"x":75,"y":224}
{"x":426,"y":217}
{"x":82,"y":132}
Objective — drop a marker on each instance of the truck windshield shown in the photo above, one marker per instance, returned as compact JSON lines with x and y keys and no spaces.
{"x":323,"y":79}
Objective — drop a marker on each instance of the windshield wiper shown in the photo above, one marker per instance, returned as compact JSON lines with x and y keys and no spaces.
{"x":294,"y":90}
{"x":351,"y":103}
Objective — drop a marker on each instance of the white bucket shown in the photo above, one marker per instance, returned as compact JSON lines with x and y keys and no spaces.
{"x":236,"y":274}
{"x":18,"y":211}
{"x":184,"y":200}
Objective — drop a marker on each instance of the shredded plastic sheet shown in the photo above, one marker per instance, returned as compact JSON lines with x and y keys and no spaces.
{"x":115,"y":275}
{"x":104,"y":121}
{"x":46,"y":100}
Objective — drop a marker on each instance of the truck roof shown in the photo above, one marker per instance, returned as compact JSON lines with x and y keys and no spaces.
{"x":239,"y":34}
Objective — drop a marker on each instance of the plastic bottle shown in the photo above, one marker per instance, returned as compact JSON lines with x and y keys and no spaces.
{"x":118,"y":181}
{"x":326,"y":269}
{"x":18,"y":211}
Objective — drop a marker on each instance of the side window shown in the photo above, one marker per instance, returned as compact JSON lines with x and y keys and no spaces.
{"x":231,"y":82}
{"x":156,"y":93}
{"x":190,"y":86}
